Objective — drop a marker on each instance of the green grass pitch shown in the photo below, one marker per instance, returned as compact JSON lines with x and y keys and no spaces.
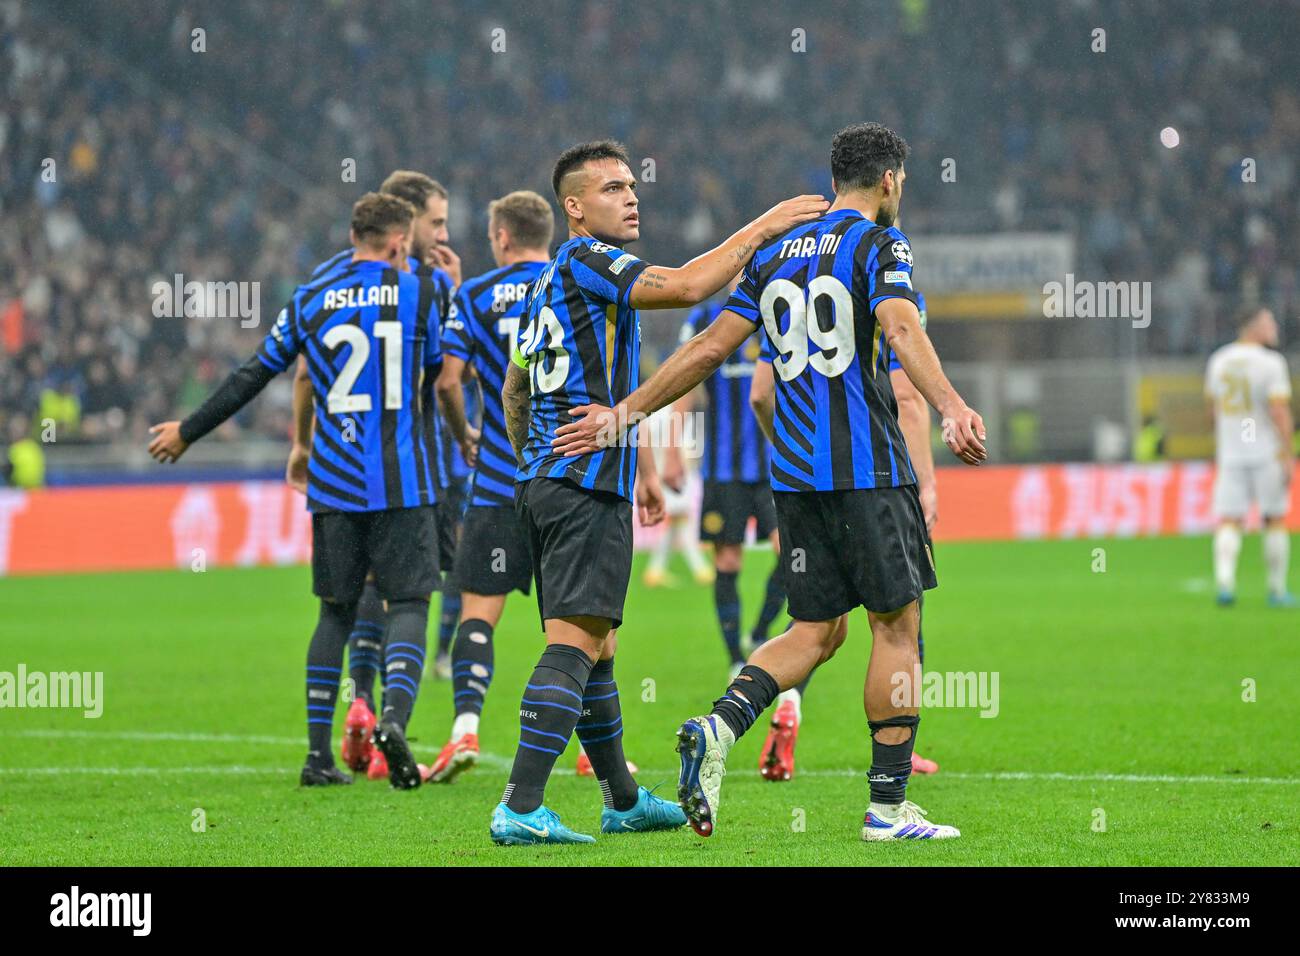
{"x":1122,"y":735}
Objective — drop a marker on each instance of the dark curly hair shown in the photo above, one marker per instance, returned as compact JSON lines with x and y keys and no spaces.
{"x":573,"y":158}
{"x":861,"y":153}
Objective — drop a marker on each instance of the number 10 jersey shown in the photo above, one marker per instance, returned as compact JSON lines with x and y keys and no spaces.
{"x":580,"y":340}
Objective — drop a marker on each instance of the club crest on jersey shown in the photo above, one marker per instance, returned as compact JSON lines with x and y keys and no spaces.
{"x":902,"y":251}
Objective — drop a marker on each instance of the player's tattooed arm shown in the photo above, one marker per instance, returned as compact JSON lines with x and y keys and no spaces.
{"x":963,"y":429}
{"x":762,"y":397}
{"x":515,"y":401}
{"x":597,"y":427}
{"x":660,"y":287}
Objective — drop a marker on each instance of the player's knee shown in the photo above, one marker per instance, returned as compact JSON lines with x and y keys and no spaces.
{"x":339,"y":613}
{"x":726,"y":558}
{"x":897,"y":627}
{"x":829,"y":637}
{"x":841,"y":632}
{"x":409,"y":606}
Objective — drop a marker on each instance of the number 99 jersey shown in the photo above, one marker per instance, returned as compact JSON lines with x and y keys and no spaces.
{"x":580,"y":340}
{"x":814,"y":290}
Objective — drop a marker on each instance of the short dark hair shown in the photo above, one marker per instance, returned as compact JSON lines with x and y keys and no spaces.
{"x":375,"y":215}
{"x":526,"y":215}
{"x":861,"y":153}
{"x":573,"y":158}
{"x":415,"y":188}
{"x":1246,"y":314}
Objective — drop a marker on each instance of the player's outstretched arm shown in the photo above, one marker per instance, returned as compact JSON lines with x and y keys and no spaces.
{"x":660,"y":287}
{"x":295,"y":472}
{"x":241,"y":387}
{"x":762,"y":398}
{"x":914,"y":421}
{"x":963,"y":429}
{"x":599,"y":427}
{"x":514,"y":399}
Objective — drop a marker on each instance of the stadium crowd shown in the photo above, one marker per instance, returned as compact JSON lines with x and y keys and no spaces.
{"x":223,"y":155}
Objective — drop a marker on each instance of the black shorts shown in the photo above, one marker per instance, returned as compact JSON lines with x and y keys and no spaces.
{"x":397,"y":544}
{"x":581,"y":546}
{"x":450,"y":510}
{"x":851,"y":548}
{"x":727,"y":508}
{"x":492,"y":557}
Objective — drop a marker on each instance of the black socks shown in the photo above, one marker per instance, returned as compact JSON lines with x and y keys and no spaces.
{"x":773,"y":599}
{"x":365,"y":646}
{"x":471,"y":665}
{"x":600,"y":729}
{"x":891,"y":764}
{"x":751,"y":693}
{"x":324,"y":667}
{"x":404,"y":643}
{"x":548,"y":712}
{"x":726,"y":598}
{"x":448,"y":615}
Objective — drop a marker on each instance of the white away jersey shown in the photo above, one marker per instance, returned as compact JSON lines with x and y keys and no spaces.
{"x":1241,"y":380}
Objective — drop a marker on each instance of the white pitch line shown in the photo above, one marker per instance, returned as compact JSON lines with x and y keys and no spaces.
{"x":143,"y":771}
{"x":502,"y":762}
{"x":192,"y":737}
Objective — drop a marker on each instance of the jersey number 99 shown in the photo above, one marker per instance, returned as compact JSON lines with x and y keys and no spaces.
{"x":836,"y":345}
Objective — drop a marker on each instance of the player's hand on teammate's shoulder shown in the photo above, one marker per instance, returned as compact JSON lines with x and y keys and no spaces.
{"x":788,"y":214}
{"x":963,"y":433}
{"x":167,"y":444}
{"x":651,"y":507}
{"x":295,"y":472}
{"x":594,"y":427}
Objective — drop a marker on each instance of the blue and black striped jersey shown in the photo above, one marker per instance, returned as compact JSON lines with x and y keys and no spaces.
{"x":368,"y":332}
{"x":815,"y":289}
{"x":894,"y":364}
{"x":734,"y":446}
{"x":581,"y":341}
{"x":449,"y":464}
{"x":481,"y":330}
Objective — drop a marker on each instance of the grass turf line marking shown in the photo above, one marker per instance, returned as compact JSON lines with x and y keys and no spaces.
{"x":501,"y":762}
